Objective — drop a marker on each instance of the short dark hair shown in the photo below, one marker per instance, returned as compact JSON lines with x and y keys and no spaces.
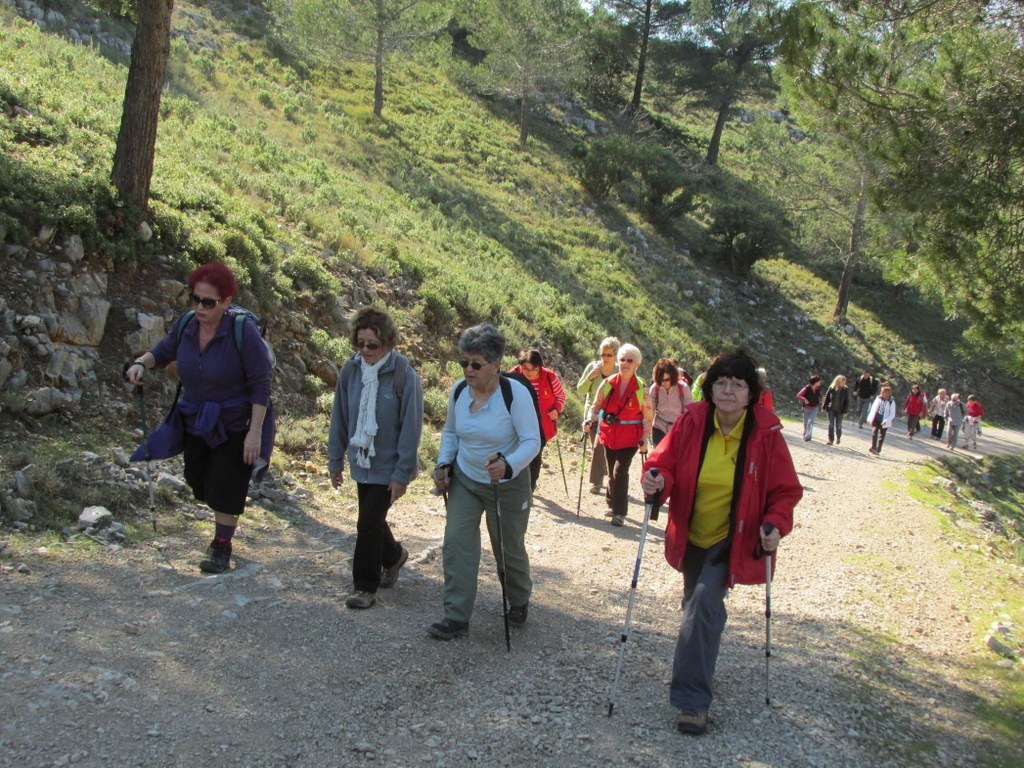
{"x":737,"y":365}
{"x":531,"y":356}
{"x":218,"y":275}
{"x":377,"y":320}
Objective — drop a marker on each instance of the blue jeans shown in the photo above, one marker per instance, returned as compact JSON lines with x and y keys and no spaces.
{"x":705,"y":573}
{"x":810,"y":413}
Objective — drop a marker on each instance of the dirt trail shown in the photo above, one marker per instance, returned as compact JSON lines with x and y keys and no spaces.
{"x":129,"y":658}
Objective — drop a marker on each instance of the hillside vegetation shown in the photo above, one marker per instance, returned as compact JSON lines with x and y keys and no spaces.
{"x":282,"y":170}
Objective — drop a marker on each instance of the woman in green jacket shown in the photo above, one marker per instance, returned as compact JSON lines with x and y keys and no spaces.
{"x":588,"y":386}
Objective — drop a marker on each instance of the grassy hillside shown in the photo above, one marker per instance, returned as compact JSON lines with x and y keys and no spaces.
{"x":283,"y":170}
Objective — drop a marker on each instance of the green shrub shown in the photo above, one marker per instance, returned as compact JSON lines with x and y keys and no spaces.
{"x":605,"y":163}
{"x":309,"y":274}
{"x":435,"y":405}
{"x":745,"y":231}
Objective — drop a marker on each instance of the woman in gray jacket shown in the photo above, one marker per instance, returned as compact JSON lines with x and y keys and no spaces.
{"x":376,"y":420}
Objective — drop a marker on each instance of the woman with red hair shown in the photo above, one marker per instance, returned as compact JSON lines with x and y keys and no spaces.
{"x":223,"y":417}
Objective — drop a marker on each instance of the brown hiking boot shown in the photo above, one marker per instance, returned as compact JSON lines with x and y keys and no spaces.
{"x":218,"y":557}
{"x":692,"y":722}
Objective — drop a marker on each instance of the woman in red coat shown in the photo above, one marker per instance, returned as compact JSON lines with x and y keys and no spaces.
{"x":731,"y":485}
{"x":625,"y":419}
{"x":550,"y":399}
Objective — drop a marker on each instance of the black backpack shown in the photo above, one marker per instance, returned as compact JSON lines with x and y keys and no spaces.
{"x":238,"y":315}
{"x":506,"y":395}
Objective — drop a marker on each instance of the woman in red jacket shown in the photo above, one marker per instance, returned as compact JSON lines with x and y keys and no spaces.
{"x":732,"y":488}
{"x":625,"y":423}
{"x":550,"y":400}
{"x":915,"y":407}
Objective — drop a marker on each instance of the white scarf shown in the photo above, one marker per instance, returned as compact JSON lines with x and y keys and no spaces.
{"x":366,"y":421}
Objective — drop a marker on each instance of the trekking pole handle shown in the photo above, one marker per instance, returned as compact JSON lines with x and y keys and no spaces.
{"x":759,"y":551}
{"x":124,"y":375}
{"x":654,"y":499}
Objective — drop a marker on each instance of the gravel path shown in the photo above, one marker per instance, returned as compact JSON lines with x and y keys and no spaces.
{"x":129,"y":658}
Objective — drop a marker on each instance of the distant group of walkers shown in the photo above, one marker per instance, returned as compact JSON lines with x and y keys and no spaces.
{"x":871,"y":401}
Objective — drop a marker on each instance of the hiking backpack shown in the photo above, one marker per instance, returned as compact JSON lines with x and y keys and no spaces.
{"x":238,"y":315}
{"x":506,"y":395}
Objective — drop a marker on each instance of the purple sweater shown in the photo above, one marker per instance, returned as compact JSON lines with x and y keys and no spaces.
{"x":219,"y":373}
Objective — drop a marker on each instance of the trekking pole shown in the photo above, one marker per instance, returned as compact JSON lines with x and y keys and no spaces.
{"x":651,"y":505}
{"x":767,"y":528}
{"x":583,"y":471}
{"x":558,"y":445}
{"x":501,"y":565}
{"x":140,"y":397}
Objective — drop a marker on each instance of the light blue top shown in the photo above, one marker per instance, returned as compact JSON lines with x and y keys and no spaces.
{"x":470,"y":438}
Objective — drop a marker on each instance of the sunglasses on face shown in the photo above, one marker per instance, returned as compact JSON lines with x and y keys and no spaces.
{"x":373,"y":346}
{"x":476,"y":365}
{"x":626,"y":360}
{"x":205,"y":301}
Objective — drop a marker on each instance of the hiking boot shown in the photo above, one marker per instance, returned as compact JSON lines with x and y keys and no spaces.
{"x":360,"y":599}
{"x":618,"y":520}
{"x":517,"y":615}
{"x":829,"y":443}
{"x":609,"y":512}
{"x":692,"y":722}
{"x":596,"y":489}
{"x":218,"y":557}
{"x":390,"y":575}
{"x":449,"y":629}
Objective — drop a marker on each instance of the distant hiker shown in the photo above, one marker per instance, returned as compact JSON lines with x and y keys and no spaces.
{"x":866,"y":390}
{"x":490,"y":436}
{"x":914,"y":408}
{"x":835,"y":405}
{"x":376,"y":421}
{"x":626,"y":419}
{"x":972,"y":424}
{"x":669,"y":394}
{"x":810,"y":399}
{"x":881,"y":416}
{"x":937,"y":410}
{"x":223,"y":417}
{"x":727,"y":473}
{"x":550,"y":400}
{"x":765,"y":399}
{"x":955,"y":414}
{"x":588,"y":386}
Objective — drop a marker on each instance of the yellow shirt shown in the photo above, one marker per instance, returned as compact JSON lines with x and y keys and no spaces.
{"x":710,"y":522}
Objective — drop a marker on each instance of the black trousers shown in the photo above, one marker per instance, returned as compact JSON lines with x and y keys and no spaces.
{"x":618,"y":478}
{"x":376,"y":547}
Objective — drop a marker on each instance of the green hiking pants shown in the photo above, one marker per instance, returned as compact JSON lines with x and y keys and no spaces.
{"x":467,"y":501}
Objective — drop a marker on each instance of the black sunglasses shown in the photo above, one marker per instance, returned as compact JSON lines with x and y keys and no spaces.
{"x":206,"y":301}
{"x":373,"y":346}
{"x":475,"y":365}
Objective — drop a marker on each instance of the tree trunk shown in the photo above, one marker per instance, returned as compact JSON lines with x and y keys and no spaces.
{"x":716,"y":136}
{"x":856,"y":235}
{"x":136,"y":140}
{"x":524,"y":119}
{"x":378,"y":75}
{"x":641,"y":67}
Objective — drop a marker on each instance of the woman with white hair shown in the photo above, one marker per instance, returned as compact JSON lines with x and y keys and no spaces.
{"x":626,"y":419}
